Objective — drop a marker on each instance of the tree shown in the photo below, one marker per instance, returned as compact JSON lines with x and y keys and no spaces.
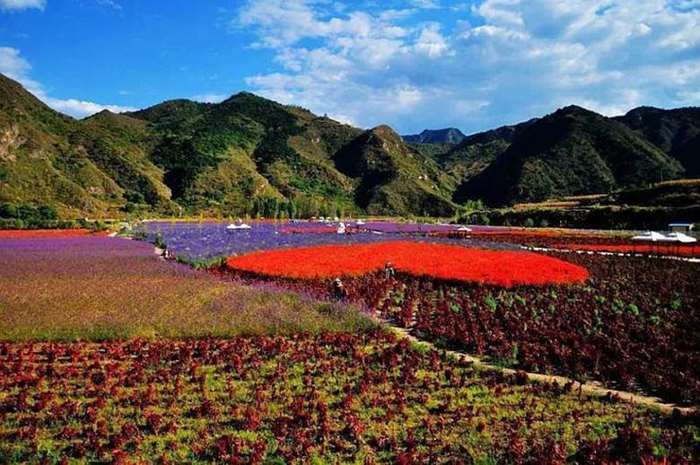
{"x":291,"y":208}
{"x":8,"y":210}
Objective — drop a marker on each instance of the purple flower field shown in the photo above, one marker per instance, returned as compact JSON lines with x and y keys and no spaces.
{"x":206,"y":240}
{"x":105,"y":288}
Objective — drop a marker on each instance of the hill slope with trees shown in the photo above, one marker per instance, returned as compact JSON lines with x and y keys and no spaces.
{"x":250,"y":155}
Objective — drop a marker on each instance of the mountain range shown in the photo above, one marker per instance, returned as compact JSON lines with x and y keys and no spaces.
{"x":250,"y":155}
{"x":436,"y":136}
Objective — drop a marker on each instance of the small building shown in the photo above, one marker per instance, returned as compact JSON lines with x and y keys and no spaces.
{"x":680,"y":227}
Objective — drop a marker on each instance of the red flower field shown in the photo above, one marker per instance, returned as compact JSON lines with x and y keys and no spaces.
{"x":52,"y":233}
{"x":453,"y":263}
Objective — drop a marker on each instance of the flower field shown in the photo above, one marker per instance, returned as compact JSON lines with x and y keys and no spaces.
{"x":332,"y":398}
{"x":633,"y":324}
{"x":578,"y":240}
{"x":104,"y":288}
{"x":685,"y":250}
{"x":441,"y":261}
{"x":206,"y":240}
{"x":110,"y":354}
{"x":46,"y":233}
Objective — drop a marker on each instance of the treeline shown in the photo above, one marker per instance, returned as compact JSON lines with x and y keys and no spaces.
{"x":602,"y":217}
{"x":301,"y":207}
{"x":26,"y":216}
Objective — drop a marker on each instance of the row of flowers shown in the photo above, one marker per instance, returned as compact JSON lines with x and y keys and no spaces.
{"x":47,"y":233}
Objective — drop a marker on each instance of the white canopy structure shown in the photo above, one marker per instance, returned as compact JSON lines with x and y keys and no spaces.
{"x":464,"y":229}
{"x":670,"y":237}
{"x":680,"y":237}
{"x":650,"y":236}
{"x":238,"y":227}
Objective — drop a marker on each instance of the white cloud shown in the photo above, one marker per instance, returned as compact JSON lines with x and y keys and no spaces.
{"x":282,"y":23}
{"x":14,"y":66}
{"x":22,"y":4}
{"x":500,"y":12}
{"x":80,"y":108}
{"x":210,"y":98}
{"x":12,"y":63}
{"x":494,"y":62}
{"x":430,"y":42}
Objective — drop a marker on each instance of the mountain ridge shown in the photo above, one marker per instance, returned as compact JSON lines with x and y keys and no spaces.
{"x":436,"y":136}
{"x":572,"y":151}
{"x":250,"y":155}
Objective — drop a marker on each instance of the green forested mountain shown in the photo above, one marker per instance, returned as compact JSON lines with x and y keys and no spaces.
{"x":436,"y":136}
{"x":476,"y":152}
{"x":392,"y":177}
{"x":250,"y":155}
{"x":570,"y":152}
{"x":79,"y":167}
{"x":676,"y":132}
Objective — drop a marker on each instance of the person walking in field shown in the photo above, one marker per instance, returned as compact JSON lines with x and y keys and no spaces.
{"x":389,"y":271}
{"x":339,"y":289}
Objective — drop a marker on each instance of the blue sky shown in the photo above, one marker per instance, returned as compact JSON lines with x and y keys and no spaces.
{"x":411,"y":64}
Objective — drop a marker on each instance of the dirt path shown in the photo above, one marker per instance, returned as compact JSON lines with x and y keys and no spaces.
{"x":591,"y":389}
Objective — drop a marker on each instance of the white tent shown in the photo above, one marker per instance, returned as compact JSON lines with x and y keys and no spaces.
{"x":238,"y":227}
{"x":680,"y":237}
{"x":464,"y":229}
{"x":650,"y":236}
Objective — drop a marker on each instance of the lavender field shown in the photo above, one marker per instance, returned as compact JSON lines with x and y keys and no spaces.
{"x":206,"y":240}
{"x":105,"y":288}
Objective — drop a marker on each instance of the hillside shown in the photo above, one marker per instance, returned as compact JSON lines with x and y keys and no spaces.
{"x":436,"y":136}
{"x":393,"y":177}
{"x":250,"y":155}
{"x":39,"y":164}
{"x":248,"y":149}
{"x":573,"y":151}
{"x":477,"y":151}
{"x":676,"y":132}
{"x":246,"y":155}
